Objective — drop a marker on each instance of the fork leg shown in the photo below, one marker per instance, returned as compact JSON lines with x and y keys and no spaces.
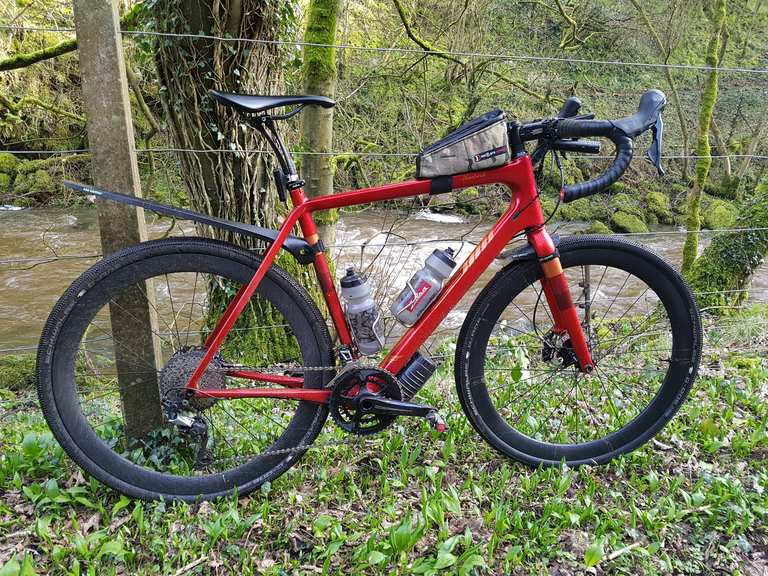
{"x":555,"y":284}
{"x":564,"y":312}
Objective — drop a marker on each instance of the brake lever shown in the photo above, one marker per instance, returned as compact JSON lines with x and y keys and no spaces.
{"x":654,"y":152}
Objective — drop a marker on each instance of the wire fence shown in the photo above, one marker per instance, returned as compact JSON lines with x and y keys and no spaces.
{"x":12,"y":264}
{"x":340,"y":153}
{"x":416,"y":51}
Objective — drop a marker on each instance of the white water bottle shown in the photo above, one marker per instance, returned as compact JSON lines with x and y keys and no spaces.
{"x":362,"y":313}
{"x":423,"y":287}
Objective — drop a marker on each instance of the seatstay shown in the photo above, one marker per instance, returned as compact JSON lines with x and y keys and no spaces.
{"x":297,"y":247}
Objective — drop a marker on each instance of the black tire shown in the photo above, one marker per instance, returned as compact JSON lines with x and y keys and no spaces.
{"x":68,"y":324}
{"x":578,"y":253}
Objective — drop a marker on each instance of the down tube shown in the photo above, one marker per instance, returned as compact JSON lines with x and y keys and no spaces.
{"x":475,"y":264}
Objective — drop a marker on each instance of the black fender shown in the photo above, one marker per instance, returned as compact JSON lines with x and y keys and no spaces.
{"x":297,"y":247}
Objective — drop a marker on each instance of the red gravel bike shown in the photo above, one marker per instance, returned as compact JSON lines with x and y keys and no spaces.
{"x":578,"y":350}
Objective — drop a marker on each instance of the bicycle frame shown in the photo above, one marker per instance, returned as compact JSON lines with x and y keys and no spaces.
{"x":524,"y":214}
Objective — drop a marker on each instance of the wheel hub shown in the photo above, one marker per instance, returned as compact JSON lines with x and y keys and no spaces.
{"x":558,"y":349}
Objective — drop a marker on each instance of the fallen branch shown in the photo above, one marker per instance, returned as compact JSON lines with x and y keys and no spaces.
{"x":32,"y":101}
{"x":188,"y":567}
{"x":27,"y":59}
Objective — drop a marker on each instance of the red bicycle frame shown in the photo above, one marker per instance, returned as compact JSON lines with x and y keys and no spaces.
{"x":523,"y":214}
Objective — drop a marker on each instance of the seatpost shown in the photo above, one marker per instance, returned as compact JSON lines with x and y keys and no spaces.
{"x":287,"y":177}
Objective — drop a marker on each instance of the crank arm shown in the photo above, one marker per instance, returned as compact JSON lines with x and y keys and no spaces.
{"x":379,"y":405}
{"x":399,"y":408}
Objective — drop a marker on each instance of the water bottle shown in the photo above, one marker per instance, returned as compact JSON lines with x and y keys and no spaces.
{"x":362,"y":313}
{"x":423,"y":287}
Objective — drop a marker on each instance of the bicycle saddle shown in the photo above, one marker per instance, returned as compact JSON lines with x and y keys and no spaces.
{"x":252,"y":103}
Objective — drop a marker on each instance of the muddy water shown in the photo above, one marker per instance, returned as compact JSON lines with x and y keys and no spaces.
{"x":28,"y":290}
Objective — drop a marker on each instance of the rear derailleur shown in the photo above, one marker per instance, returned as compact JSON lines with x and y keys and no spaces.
{"x":191,"y":426}
{"x":367,"y":400}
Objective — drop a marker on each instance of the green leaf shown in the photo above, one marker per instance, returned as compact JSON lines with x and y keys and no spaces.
{"x":444,"y":559}
{"x":322,"y":522}
{"x":709,"y":428}
{"x":10,"y":568}
{"x":114,"y":547}
{"x":120,"y":504}
{"x":26,"y":567}
{"x":470,"y":563}
{"x":41,"y":527}
{"x":376,"y":557}
{"x":574,"y":518}
{"x":30,"y":445}
{"x":594,"y":553}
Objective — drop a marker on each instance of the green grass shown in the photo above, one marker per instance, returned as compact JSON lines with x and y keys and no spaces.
{"x":410,"y":501}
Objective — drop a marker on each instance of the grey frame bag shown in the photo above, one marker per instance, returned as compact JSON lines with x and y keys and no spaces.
{"x":479,"y":144}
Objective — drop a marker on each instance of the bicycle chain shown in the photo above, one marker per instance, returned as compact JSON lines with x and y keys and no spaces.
{"x":352,"y":440}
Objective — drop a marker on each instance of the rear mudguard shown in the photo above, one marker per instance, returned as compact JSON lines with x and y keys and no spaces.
{"x":297,"y":247}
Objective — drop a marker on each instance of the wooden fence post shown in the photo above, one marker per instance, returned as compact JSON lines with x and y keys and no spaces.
{"x":114,"y":167}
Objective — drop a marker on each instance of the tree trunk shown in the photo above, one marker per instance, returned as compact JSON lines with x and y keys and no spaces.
{"x":726,"y":266}
{"x":703,"y":151}
{"x":234,"y":185}
{"x":665,"y":51}
{"x":317,"y":123}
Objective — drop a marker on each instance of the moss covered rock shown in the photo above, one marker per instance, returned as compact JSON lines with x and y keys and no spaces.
{"x":585,"y":210}
{"x":719,"y":214}
{"x":598,"y":227}
{"x":8,"y":163}
{"x":726,"y":266}
{"x":37,"y":185}
{"x":625,"y":222}
{"x":5,"y":183}
{"x":17,"y":372}
{"x":659,"y":206}
{"x":623,"y":202}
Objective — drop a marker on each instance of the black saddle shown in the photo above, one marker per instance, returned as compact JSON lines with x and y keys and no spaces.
{"x":252,"y":104}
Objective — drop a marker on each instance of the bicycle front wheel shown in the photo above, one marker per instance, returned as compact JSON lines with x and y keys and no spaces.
{"x":519,"y":382}
{"x":90,"y":369}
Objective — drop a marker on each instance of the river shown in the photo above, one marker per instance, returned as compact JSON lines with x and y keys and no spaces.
{"x":28,"y":290}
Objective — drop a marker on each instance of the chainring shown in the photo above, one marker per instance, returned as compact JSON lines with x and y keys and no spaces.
{"x":358,"y":383}
{"x":177,"y":372}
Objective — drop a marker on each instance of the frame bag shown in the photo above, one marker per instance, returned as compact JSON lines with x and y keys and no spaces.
{"x":479,"y":144}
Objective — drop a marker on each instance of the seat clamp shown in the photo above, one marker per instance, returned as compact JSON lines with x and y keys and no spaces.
{"x":293,"y":184}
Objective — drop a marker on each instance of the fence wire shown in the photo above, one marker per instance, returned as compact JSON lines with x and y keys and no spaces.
{"x":414,"y":51}
{"x":761,"y":72}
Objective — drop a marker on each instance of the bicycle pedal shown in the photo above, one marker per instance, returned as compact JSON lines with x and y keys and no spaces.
{"x":436,"y":421}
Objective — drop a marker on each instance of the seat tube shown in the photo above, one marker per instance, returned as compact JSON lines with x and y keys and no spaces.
{"x":558,"y":295}
{"x":322,"y":270}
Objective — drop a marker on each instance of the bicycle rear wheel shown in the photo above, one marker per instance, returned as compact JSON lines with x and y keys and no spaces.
{"x":519,"y":382}
{"x":86,"y":375}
